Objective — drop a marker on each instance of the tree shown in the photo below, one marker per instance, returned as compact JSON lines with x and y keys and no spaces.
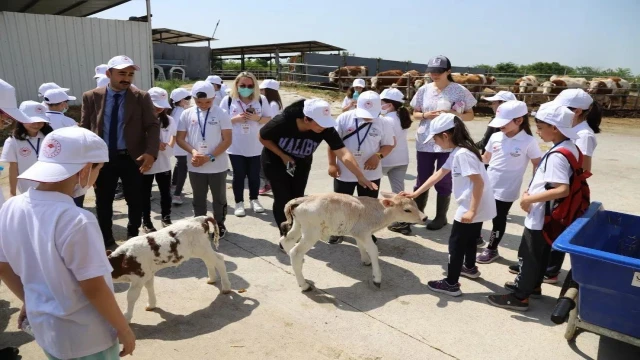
{"x":486,"y":67}
{"x":546,"y":68}
{"x":506,"y":68}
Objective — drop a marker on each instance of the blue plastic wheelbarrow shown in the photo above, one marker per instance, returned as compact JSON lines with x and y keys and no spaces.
{"x":604,"y":247}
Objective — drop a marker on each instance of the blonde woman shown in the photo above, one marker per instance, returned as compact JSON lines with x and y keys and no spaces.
{"x":249,"y":111}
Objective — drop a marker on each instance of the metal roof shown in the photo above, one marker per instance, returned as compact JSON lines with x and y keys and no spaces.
{"x":292,"y":47}
{"x":79,"y":8}
{"x":175,"y":37}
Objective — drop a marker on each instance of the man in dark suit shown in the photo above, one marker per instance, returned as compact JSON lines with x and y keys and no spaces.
{"x":125,"y":118}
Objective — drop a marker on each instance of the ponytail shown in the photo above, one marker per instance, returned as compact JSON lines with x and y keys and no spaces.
{"x":403,"y":113}
{"x":172,"y":104}
{"x":460,"y":137}
{"x":525,"y":124}
{"x":164,"y":119}
{"x":594,"y":117}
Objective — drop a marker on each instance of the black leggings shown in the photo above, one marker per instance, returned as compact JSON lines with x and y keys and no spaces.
{"x":284,"y":186}
{"x":164,"y":185}
{"x":499,"y":223}
{"x":462,"y":248}
{"x":343,"y":187}
{"x":180,"y":172}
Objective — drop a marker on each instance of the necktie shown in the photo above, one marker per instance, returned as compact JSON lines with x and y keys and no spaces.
{"x":113,"y":123}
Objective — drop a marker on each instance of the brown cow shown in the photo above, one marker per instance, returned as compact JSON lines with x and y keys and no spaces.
{"x":474,"y":82}
{"x":385,"y":79}
{"x":346,"y":74}
{"x":603,"y":88}
{"x":409,"y":80}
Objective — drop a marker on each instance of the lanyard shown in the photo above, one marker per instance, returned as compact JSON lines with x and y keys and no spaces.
{"x":542,"y":159}
{"x":203,"y":127}
{"x":360,"y":142}
{"x":36,"y":149}
{"x":242,"y":107}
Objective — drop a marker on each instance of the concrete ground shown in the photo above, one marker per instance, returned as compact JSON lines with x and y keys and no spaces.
{"x":267,"y":317}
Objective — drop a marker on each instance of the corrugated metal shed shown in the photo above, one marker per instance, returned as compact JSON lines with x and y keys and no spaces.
{"x":45,"y":48}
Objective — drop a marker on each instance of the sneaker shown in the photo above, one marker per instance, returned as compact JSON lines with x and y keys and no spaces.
{"x":550,"y":279}
{"x":472,"y":273}
{"x":256,"y":206}
{"x":511,"y":286}
{"x":177,"y":200}
{"x":400,"y":227}
{"x":222,"y":230}
{"x":266,"y":189}
{"x":239,"y":209}
{"x":166,"y":221}
{"x":508,"y":301}
{"x":514,"y":269}
{"x":335,"y":239}
{"x":488,"y":256}
{"x":148,"y":228}
{"x":442,"y":286}
{"x":480,"y":242}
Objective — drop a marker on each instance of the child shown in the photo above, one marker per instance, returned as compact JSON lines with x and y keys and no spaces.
{"x":161,"y":168}
{"x":496,"y":100}
{"x":473,"y":193}
{"x":396,"y":163}
{"x":586,"y":123}
{"x":369,"y":138}
{"x":58,"y":268}
{"x":48,"y":86}
{"x":57,"y":101}
{"x":179,"y":100}
{"x":269,"y":88}
{"x":351,"y":100}
{"x":550,"y":182}
{"x":204,"y":132}
{"x":507,"y":152}
{"x":22,"y":148}
{"x":249,"y":111}
{"x":217,"y":83}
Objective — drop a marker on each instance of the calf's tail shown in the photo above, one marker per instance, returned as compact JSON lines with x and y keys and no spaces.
{"x":215,"y":237}
{"x":288,"y":212}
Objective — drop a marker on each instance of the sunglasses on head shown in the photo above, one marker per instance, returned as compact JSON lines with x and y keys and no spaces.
{"x":246,"y":86}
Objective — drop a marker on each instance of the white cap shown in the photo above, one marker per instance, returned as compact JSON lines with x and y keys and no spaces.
{"x":205,"y":87}
{"x":392,"y":94}
{"x":214,"y":79}
{"x":64,"y":152}
{"x":159,"y":97}
{"x":35,"y":111}
{"x":320,"y":111}
{"x":359,"y":82}
{"x":508,"y":111}
{"x":102,"y":81}
{"x":270,"y":84}
{"x":574,"y":98}
{"x":441,"y":123}
{"x":56,"y":96}
{"x":101,"y":70}
{"x":369,"y":105}
{"x":9,"y":104}
{"x":48,"y":86}
{"x":501,"y":96}
{"x":559,"y":116}
{"x":179,"y":94}
{"x":121,"y":62}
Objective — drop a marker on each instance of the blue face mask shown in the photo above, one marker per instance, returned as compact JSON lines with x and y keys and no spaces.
{"x":245,"y":92}
{"x":356,"y":95}
{"x":64,"y":110}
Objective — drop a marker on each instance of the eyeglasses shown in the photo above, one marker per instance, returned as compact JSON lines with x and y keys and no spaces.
{"x":242,"y":86}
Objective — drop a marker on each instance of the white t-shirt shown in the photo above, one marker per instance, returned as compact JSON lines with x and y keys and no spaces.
{"x":554,"y":168}
{"x":275,"y":109}
{"x":378,"y":134}
{"x":58,"y":120}
{"x":175,"y":114}
{"x":348,"y":101}
{"x":163,"y":162}
{"x":245,"y":135}
{"x":54,"y":245}
{"x":400,"y":153}
{"x":216,"y":121}
{"x":462,"y":163}
{"x":509,"y":160}
{"x":586,"y":141}
{"x":25,"y":154}
{"x":219,"y":95}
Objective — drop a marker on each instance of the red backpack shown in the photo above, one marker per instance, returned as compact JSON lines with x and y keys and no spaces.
{"x":560,"y":213}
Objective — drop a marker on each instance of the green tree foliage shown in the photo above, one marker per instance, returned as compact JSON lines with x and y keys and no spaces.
{"x":251,"y":64}
{"x":506,"y":68}
{"x":555,"y":68}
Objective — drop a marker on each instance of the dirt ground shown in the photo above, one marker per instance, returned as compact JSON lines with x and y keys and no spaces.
{"x":267,"y":317}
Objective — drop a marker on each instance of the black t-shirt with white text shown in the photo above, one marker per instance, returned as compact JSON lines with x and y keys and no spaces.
{"x":300,"y":145}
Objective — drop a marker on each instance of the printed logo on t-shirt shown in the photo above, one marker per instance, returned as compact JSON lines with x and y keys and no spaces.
{"x":374,"y":132}
{"x":51,"y":148}
{"x":298,"y":147}
{"x":496,"y":147}
{"x":24,"y":151}
{"x":455,"y":172}
{"x":193,"y":121}
{"x":350,"y":130}
{"x":516,"y":152}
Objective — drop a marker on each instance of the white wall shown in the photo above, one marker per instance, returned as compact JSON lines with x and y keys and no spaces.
{"x":35,"y":49}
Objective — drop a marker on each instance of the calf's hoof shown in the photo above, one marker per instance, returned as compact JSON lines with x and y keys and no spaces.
{"x":306,"y":287}
{"x":366,"y":263}
{"x":149,"y":308}
{"x":211,"y":282}
{"x":227,"y":291}
{"x":376,"y":284}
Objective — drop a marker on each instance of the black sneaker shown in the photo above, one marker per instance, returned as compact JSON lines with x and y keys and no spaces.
{"x":511,"y":286}
{"x":443,"y":287}
{"x":148,"y":228}
{"x":335,"y":239}
{"x":166,"y":221}
{"x":222,"y":230}
{"x":514,"y":269}
{"x":508,"y":301}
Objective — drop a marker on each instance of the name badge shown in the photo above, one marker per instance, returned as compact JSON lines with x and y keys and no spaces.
{"x":245,"y":128}
{"x":203,"y":148}
{"x":357,"y":154}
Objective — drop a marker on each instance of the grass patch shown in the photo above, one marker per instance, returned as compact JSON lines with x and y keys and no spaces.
{"x":329,"y":95}
{"x":170,"y":85}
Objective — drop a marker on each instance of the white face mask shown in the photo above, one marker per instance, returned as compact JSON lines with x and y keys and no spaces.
{"x":384,"y":111}
{"x":79,"y":190}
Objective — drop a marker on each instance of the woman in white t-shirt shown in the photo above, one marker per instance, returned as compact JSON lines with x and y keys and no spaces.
{"x":443,"y":95}
{"x":249,"y":111}
{"x":369,"y":138}
{"x":161,"y":169}
{"x":351,"y":100}
{"x":473,"y":193}
{"x":508,"y":153}
{"x":179,"y":100}
{"x":269,"y":88}
{"x":22,"y":148}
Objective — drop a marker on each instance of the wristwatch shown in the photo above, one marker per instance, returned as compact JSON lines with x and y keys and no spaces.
{"x":380,"y":155}
{"x":212,"y":158}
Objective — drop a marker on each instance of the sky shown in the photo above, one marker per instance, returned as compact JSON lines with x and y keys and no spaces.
{"x":598,"y":33}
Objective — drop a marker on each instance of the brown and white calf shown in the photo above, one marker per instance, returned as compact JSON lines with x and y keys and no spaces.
{"x":346,"y":74}
{"x":554,"y":87}
{"x":476,"y":83}
{"x":409,"y":80}
{"x":526,"y":85}
{"x":385,"y":79}
{"x":137,"y":260}
{"x":609,"y":89}
{"x":315,"y":217}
